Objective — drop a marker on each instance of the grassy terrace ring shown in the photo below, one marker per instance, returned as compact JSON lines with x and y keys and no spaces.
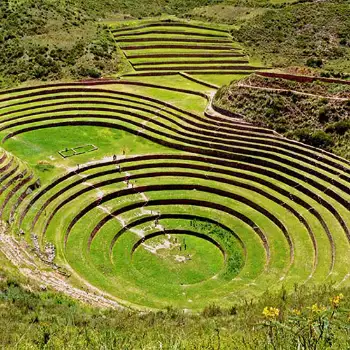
{"x":180,"y":204}
{"x":69,"y":152}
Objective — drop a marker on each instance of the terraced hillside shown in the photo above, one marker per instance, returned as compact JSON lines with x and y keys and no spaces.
{"x":151,"y":196}
{"x":168,"y":46}
{"x":18,"y":181}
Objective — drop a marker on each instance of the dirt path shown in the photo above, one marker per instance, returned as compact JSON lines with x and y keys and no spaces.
{"x":293,"y":91}
{"x":210,"y":111}
{"x":34,"y":269}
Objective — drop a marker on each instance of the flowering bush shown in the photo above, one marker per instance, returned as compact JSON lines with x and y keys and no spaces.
{"x":271,"y":312}
{"x":310,"y":327}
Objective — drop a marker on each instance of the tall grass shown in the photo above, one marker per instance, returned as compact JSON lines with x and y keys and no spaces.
{"x":35,"y":319}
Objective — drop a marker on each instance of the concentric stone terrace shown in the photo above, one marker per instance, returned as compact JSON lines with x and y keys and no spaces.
{"x":177,"y":205}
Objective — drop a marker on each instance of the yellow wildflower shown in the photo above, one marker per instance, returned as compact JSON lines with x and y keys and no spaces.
{"x":335,"y":301}
{"x":270,"y":312}
{"x":317,"y":308}
{"x":296,"y":312}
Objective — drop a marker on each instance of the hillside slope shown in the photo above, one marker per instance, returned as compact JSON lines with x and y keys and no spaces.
{"x":315,"y":113}
{"x":45,"y":40}
{"x":314,"y":34}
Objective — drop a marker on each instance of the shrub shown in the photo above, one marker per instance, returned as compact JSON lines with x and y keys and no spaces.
{"x":314,"y":62}
{"x":323,"y":115}
{"x":89,"y":72}
{"x":317,"y":138}
{"x":44,"y":166}
{"x":320,"y":139}
{"x":343,"y":42}
{"x":212,"y":311}
{"x":339,"y":128}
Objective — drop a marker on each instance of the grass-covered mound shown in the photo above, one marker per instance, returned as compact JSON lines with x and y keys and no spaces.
{"x":316,"y":113}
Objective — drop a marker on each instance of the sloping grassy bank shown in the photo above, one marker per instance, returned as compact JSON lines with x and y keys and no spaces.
{"x":36,"y":319}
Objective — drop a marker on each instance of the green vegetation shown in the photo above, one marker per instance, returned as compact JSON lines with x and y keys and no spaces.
{"x":44,"y":166}
{"x":224,"y":233}
{"x":314,"y":113}
{"x":42,"y":319}
{"x":285,"y":33}
{"x":48,"y":41}
{"x":312,"y":34}
{"x":42,"y":40}
{"x":168,"y":46}
{"x":161,"y":164}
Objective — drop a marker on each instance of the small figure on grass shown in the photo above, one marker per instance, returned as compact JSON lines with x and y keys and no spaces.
{"x":77,"y":167}
{"x":114,"y":158}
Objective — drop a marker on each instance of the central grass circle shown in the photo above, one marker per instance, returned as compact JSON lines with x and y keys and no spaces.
{"x":180,"y":259}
